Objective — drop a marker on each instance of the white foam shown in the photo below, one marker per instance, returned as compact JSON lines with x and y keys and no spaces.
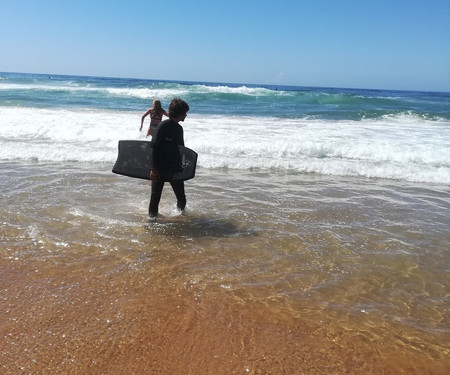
{"x":401,"y":147}
{"x":243,"y":90}
{"x":162,"y":92}
{"x":139,"y":92}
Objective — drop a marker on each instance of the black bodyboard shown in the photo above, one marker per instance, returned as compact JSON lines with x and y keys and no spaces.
{"x":135,"y":159}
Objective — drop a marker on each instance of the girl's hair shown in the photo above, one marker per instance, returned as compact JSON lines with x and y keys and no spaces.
{"x":157,"y":107}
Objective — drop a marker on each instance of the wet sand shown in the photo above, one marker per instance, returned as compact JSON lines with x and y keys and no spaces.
{"x":293,"y":275}
{"x":76,"y":321}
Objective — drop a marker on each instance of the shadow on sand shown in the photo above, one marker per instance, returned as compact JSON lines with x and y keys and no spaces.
{"x":195,"y":227}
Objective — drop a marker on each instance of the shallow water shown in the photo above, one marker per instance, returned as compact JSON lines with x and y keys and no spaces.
{"x":355,"y":258}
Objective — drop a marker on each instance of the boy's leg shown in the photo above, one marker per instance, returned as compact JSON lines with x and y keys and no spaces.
{"x":155,"y":197}
{"x":178,"y":189}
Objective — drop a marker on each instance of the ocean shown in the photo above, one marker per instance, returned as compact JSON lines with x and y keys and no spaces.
{"x":315,"y":239}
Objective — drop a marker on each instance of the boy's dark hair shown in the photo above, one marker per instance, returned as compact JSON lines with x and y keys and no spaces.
{"x":177,"y":108}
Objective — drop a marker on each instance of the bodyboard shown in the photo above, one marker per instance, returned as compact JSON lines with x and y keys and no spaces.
{"x":135,"y":159}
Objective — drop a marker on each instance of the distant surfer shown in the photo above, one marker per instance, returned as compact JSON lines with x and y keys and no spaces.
{"x":166,"y":156}
{"x":156,"y":113}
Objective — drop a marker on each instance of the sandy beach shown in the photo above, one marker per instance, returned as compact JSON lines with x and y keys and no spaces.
{"x":90,"y":286}
{"x":76,"y":322}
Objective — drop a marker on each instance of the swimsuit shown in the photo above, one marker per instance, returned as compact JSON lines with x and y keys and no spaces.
{"x":156,"y":116}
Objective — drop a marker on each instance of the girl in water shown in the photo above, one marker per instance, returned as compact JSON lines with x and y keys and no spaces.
{"x":156,"y":113}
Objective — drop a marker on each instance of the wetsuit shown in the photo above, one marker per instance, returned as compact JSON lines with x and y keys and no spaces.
{"x":167,"y":161}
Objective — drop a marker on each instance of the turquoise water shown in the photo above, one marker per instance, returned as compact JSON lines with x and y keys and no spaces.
{"x":41,"y":91}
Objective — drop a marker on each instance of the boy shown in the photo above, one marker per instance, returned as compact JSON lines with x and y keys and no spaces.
{"x":166,"y":156}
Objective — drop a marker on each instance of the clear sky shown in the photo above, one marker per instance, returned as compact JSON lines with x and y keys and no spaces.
{"x":385,"y":44}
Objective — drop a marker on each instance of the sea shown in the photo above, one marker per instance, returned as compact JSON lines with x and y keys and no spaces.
{"x":326,"y":208}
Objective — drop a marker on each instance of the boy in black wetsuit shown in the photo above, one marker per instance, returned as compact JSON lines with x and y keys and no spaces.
{"x":166,"y":157}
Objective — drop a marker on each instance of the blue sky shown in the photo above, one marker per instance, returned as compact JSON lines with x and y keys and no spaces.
{"x":385,"y":44}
